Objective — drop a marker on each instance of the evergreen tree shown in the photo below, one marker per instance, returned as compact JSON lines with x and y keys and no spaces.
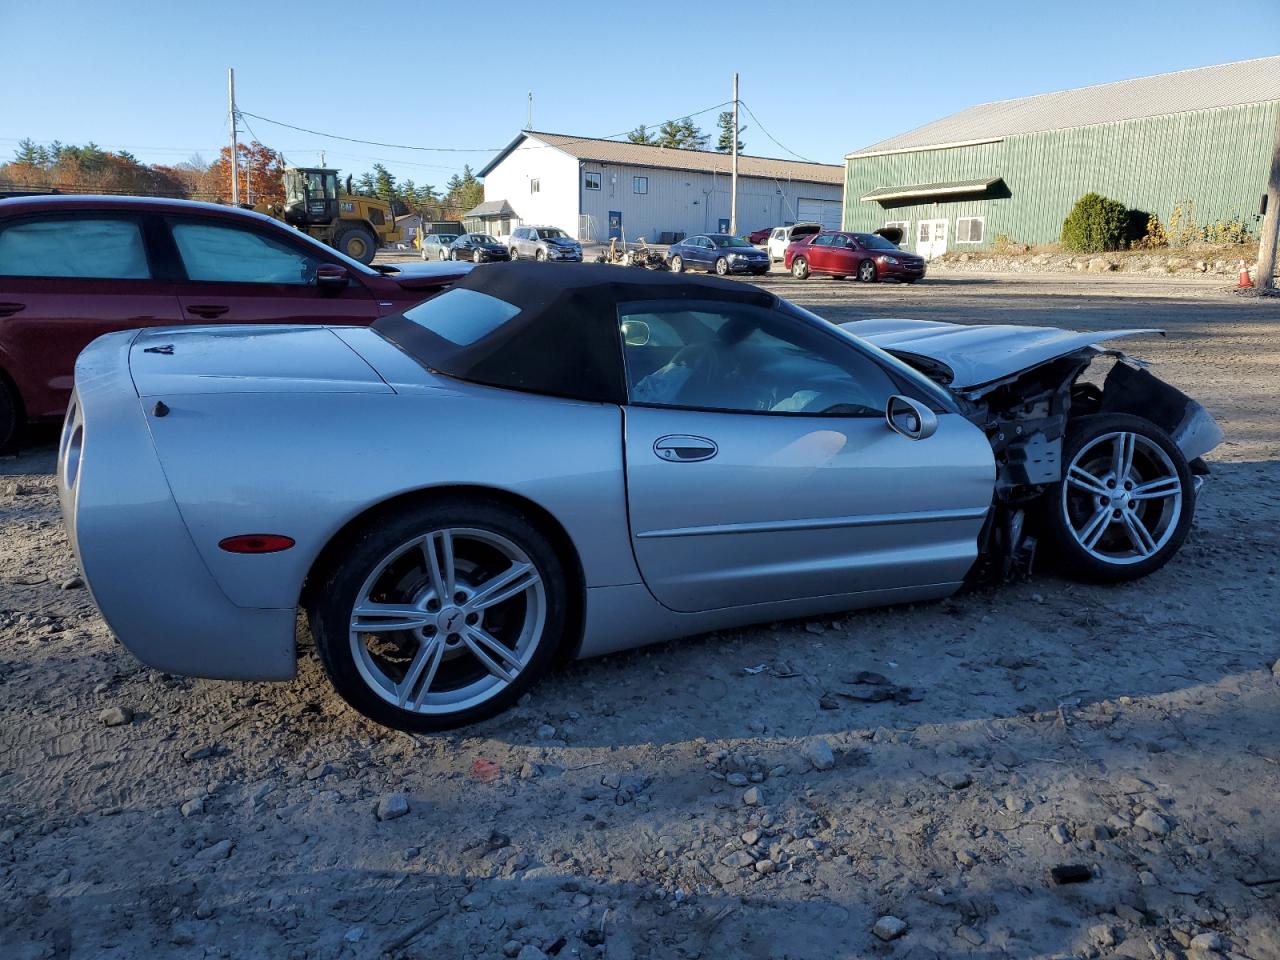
{"x":384,"y":184}
{"x":642,"y":135}
{"x":365,"y":186}
{"x":725,"y":143}
{"x":691,"y":137}
{"x":669,"y":135}
{"x":29,"y":152}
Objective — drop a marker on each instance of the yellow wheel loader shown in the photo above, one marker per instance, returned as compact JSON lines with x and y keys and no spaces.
{"x":351,"y":224}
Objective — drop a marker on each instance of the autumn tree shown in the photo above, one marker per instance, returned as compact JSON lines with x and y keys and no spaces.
{"x":261,"y":176}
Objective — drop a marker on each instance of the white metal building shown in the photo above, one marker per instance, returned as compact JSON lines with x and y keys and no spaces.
{"x":597,"y":189}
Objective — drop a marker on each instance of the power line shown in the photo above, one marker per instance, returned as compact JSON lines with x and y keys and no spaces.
{"x":772,"y":137}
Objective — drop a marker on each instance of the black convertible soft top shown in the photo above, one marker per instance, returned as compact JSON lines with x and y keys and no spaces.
{"x":556,"y":329}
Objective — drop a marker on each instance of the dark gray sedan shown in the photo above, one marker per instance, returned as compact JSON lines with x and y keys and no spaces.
{"x":719,"y":253}
{"x":478,"y":248}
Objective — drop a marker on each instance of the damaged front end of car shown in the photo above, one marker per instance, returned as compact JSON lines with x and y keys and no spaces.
{"x":1024,"y":386}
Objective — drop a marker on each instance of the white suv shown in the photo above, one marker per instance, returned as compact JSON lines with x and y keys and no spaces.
{"x":781,"y":238}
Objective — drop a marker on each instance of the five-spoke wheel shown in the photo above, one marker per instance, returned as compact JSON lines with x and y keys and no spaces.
{"x":455,"y":612}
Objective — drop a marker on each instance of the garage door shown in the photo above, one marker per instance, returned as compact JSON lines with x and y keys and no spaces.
{"x":825,"y":212}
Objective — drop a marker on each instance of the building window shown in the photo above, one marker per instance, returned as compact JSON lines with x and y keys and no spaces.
{"x":640,"y":184}
{"x":592,"y":181}
{"x":969,"y":229}
{"x":535,"y":186}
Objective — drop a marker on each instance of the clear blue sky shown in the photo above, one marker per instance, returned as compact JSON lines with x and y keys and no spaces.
{"x":823,"y":77}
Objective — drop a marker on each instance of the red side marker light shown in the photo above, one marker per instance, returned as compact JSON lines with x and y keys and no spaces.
{"x":256,"y":543}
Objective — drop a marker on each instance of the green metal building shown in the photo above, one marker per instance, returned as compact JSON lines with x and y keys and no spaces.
{"x":1201,"y":139}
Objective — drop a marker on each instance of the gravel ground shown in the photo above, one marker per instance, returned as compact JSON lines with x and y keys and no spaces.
{"x":735,"y":795}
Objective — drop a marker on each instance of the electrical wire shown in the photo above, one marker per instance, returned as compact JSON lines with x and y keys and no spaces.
{"x":780,"y":145}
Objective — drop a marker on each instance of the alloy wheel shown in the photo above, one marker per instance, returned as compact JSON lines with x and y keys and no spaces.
{"x":1122,"y":498}
{"x":448,"y":620}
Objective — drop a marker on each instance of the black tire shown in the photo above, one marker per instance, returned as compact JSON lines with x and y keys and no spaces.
{"x":356,"y":242}
{"x":359,"y":556}
{"x":721,"y":267}
{"x":512,"y":255}
{"x":867,"y":271}
{"x":453,"y":254}
{"x":677,"y":264}
{"x":1070,"y":503}
{"x":477,"y":256}
{"x":800,"y":268}
{"x":540,"y":256}
{"x":10,"y":417}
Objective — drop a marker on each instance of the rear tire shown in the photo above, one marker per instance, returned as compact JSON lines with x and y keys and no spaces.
{"x":356,"y":242}
{"x":1125,"y":503}
{"x":800,"y":268}
{"x":385,"y":562}
{"x":10,"y":417}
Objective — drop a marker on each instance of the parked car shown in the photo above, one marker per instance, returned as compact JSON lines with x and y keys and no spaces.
{"x":543,"y":243}
{"x":721,"y":253}
{"x":435,"y":246}
{"x":757,"y":237}
{"x":75,"y":267}
{"x":867,"y":256}
{"x":782,"y":237}
{"x":614,"y":459}
{"x":478,"y":248}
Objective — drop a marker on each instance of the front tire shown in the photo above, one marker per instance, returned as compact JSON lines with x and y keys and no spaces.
{"x":800,"y":268}
{"x":441,"y":615}
{"x":867,"y":271}
{"x":722,"y":267}
{"x":358,"y":243}
{"x":477,"y":256}
{"x":540,"y":256}
{"x":1125,"y":503}
{"x":677,"y":264}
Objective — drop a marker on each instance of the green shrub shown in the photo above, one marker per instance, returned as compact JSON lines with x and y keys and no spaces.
{"x":1095,"y":224}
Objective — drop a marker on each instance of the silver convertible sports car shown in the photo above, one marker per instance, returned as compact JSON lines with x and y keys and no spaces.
{"x":552,"y":460}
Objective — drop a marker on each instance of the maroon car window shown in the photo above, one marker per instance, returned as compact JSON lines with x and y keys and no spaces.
{"x":211,"y":252}
{"x":97,"y":249}
{"x":822,"y":240}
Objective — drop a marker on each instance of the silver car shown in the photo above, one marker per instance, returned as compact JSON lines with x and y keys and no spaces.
{"x":543,"y":243}
{"x":435,"y":246}
{"x":549,"y":461}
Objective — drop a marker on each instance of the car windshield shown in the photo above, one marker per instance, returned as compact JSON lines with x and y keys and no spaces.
{"x":448,"y":237}
{"x":482,"y":238}
{"x":874,"y":242}
{"x":726,"y":241}
{"x":555,"y":233}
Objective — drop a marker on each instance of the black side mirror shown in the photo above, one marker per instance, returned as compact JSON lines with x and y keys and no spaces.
{"x":332,"y":278}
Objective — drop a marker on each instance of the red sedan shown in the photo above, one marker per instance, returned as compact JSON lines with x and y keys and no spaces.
{"x":73,"y":268}
{"x":867,"y":256}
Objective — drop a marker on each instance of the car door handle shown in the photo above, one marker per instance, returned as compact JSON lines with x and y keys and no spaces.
{"x":9,"y":309}
{"x":678,"y":448}
{"x":208,"y":310}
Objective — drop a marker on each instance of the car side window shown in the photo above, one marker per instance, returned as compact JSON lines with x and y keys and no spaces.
{"x":822,"y":240}
{"x":221,"y":254}
{"x":745,"y":360}
{"x":82,"y":247}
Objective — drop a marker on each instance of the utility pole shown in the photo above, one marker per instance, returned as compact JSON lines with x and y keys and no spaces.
{"x":733,"y":187}
{"x":1270,"y":220}
{"x":528,"y":124}
{"x":235,"y":157}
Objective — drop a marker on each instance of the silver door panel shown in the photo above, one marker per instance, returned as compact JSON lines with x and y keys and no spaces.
{"x":795,"y":507}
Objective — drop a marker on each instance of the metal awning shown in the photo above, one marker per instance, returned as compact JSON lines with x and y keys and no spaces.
{"x":491,"y":208}
{"x":927,"y":191}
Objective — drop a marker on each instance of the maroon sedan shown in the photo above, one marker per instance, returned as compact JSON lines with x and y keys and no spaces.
{"x":867,"y":256}
{"x":73,"y":268}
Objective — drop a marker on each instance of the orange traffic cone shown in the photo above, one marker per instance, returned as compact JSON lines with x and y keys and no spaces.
{"x":1244,"y":283}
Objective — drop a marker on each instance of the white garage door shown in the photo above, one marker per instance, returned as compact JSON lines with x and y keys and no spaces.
{"x":825,"y":212}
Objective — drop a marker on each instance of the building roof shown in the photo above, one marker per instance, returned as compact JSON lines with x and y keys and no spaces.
{"x":698,"y":161}
{"x":491,"y":208}
{"x":1203,"y":88}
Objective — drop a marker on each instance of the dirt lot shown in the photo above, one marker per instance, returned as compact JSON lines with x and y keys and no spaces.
{"x":670,"y":802}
